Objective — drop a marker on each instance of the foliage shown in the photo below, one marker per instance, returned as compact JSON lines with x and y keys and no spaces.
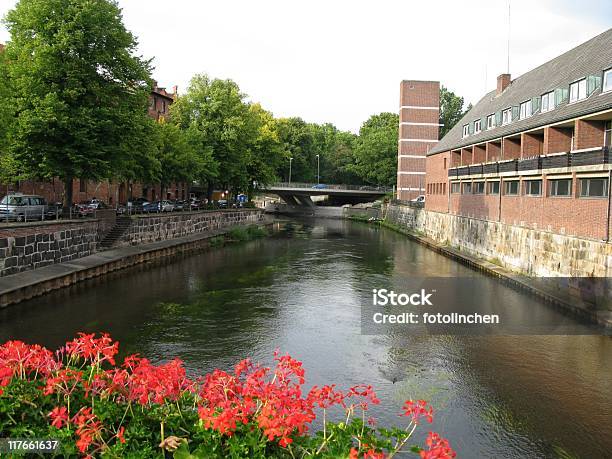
{"x":78,"y":89}
{"x":95,"y":407}
{"x":451,"y":110}
{"x":242,"y":233}
{"x":376,"y":149}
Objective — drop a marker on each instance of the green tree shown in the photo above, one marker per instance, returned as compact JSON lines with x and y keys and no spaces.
{"x":216,"y":111}
{"x":376,"y":150}
{"x":297,"y":138}
{"x":451,"y":110}
{"x":9,"y":167}
{"x":268,"y":153}
{"x":79,"y":90}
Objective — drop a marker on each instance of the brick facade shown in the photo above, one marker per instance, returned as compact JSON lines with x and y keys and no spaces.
{"x":419,"y":117}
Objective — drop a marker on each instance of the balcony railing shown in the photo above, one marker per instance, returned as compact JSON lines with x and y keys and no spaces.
{"x":588,"y":157}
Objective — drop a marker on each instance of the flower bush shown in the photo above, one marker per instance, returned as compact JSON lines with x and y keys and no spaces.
{"x":80,"y":396}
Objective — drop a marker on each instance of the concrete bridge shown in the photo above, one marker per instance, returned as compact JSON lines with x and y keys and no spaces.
{"x":299,"y":194}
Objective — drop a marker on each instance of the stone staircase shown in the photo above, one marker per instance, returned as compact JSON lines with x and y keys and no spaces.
{"x":121,"y":225}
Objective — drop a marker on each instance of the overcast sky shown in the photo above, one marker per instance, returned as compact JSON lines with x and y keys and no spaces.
{"x":341,"y":61}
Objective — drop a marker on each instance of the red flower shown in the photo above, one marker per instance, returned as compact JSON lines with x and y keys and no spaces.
{"x":354,"y":454}
{"x":120,"y":434}
{"x":59,"y":416}
{"x":95,"y":350}
{"x":438,"y":448}
{"x":418,"y":409}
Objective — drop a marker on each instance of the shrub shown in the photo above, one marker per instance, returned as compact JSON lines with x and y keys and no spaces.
{"x":95,"y":407}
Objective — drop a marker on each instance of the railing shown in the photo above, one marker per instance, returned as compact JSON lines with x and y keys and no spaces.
{"x":325,"y":186}
{"x":587,"y":157}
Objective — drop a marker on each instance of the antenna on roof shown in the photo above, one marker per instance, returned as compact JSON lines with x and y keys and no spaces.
{"x":508,"y":71}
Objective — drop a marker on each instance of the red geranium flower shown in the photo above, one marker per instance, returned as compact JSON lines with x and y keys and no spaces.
{"x":59,"y":416}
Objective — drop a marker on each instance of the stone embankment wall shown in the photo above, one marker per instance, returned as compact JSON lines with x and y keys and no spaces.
{"x":25,"y":246}
{"x":158,"y":227}
{"x":34,"y":245}
{"x":521,"y":249}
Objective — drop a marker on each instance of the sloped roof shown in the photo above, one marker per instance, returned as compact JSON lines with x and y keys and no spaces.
{"x":589,"y":58}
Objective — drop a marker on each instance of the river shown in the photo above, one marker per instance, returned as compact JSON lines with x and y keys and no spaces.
{"x":300,"y":291}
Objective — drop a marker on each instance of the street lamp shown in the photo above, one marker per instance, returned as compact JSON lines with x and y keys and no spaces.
{"x":318,"y":170}
{"x":290,"y":159}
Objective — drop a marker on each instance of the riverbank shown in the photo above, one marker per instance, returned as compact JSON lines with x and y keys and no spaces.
{"x":570,"y":295}
{"x":29,"y":284}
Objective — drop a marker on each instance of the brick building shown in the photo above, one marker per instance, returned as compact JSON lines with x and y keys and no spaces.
{"x":534,"y":152}
{"x":418,"y":132}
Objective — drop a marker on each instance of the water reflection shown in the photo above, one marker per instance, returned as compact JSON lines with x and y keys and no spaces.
{"x":300,"y":291}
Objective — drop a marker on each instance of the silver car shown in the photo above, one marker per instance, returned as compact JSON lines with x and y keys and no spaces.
{"x":23,"y":207}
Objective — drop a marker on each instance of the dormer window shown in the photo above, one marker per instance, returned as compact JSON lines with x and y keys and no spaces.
{"x":466,"y":130}
{"x":491,"y":121}
{"x":607,"y":80}
{"x":578,"y":90}
{"x":507,"y":116}
{"x":548,"y":102}
{"x":477,"y":126}
{"x":525,"y":111}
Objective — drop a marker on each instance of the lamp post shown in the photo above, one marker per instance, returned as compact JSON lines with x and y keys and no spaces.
{"x":318,"y":170}
{"x":290,"y":159}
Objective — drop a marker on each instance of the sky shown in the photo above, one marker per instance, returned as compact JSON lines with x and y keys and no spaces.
{"x":342,"y":61}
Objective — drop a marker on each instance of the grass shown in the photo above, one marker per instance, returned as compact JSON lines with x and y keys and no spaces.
{"x":248,"y":233}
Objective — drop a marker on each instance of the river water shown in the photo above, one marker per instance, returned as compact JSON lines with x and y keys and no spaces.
{"x":300,"y":291}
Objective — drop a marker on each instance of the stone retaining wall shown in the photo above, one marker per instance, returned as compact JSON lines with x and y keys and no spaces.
{"x":30,"y":246}
{"x":521,"y":249}
{"x":158,"y":227}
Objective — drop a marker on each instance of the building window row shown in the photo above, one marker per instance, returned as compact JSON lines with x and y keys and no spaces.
{"x":578,"y":90}
{"x":588,"y":187}
{"x":436,"y":188}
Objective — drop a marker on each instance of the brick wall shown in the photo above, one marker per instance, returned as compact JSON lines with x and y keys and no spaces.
{"x":437,"y":182}
{"x":588,"y":134}
{"x":418,"y":131}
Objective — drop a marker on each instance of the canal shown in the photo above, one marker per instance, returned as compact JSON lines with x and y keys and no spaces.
{"x":300,"y":291}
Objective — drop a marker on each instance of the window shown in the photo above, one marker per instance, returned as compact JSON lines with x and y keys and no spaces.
{"x":608,"y":134}
{"x":607,"y":80}
{"x":455,"y":187}
{"x":507,"y":116}
{"x":560,"y":187}
{"x":82,"y":185}
{"x":493,"y":187}
{"x":578,"y":90}
{"x":525,"y":111}
{"x":444,"y":163}
{"x":477,"y":126}
{"x":594,"y":187}
{"x":548,"y":102}
{"x":533,"y":187}
{"x":466,"y":130}
{"x":467,"y":188}
{"x":511,"y":188}
{"x":490,"y":121}
{"x":479,"y":187}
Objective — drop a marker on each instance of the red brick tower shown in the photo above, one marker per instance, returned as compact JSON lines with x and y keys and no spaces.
{"x":419,"y":118}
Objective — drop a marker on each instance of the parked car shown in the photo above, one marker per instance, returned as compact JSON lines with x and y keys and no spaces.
{"x":88,"y":208}
{"x":166,"y":206}
{"x":222,"y":203}
{"x":23,"y":207}
{"x":136,"y":205}
{"x":194,"y":204}
{"x":179,"y":205}
{"x":319,"y":186}
{"x":54,"y":210}
{"x":149,"y":207}
{"x":419,"y":199}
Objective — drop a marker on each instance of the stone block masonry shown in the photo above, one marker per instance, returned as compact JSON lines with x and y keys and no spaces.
{"x":520,"y":249}
{"x":152,"y":228}
{"x":34,"y":245}
{"x":25,"y":247}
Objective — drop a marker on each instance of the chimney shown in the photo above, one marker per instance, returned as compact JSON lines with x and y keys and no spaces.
{"x":175,"y":90}
{"x":503,"y":81}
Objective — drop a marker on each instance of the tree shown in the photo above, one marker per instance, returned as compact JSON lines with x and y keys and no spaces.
{"x":376,"y":150}
{"x":268,"y":153}
{"x":451,"y":110}
{"x":220,"y":118}
{"x":79,"y":91}
{"x":178,"y":157}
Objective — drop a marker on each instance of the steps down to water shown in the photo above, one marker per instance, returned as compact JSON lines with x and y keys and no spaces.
{"x":121,"y":225}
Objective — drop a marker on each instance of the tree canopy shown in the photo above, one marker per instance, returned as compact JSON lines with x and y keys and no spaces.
{"x":78,"y":89}
{"x":451,"y":110}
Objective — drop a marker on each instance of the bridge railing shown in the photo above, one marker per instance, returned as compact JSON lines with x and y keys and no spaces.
{"x":325,"y":186}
